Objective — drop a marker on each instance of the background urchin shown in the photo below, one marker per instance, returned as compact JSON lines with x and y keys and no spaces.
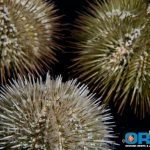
{"x":28,"y":29}
{"x":113,"y":54}
{"x":52,"y":115}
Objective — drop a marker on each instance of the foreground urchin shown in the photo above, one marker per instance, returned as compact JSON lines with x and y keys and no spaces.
{"x":113,"y":41}
{"x":53,"y":116}
{"x":27,"y":32}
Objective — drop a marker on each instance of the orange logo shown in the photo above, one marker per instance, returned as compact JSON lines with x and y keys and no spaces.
{"x":130,"y":138}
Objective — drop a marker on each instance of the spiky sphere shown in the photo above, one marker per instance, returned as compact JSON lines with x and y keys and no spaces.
{"x":113,"y":41}
{"x":52,"y":116}
{"x":27,"y":32}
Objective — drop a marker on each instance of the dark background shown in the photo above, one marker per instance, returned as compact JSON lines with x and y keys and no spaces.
{"x":128,"y":122}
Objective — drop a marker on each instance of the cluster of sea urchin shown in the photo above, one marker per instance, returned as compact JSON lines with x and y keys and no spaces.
{"x":52,"y":116}
{"x":114,"y":52}
{"x":27,"y":33}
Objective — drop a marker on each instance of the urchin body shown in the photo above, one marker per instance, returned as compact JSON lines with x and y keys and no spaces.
{"x":27,"y":33}
{"x":52,"y":116}
{"x":114,"y":52}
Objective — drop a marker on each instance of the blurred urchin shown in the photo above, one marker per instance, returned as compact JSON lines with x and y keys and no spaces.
{"x":27,"y":32}
{"x":53,"y":115}
{"x":113,"y":41}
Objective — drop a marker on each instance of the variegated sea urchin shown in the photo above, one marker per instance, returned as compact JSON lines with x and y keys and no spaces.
{"x":113,"y":41}
{"x":27,"y":33}
{"x":52,"y":116}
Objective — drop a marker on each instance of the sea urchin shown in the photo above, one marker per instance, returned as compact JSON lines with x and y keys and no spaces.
{"x":27,"y":32}
{"x":54,"y":115}
{"x":113,"y":41}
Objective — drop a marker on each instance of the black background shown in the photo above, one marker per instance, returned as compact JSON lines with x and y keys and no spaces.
{"x":128,"y":122}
